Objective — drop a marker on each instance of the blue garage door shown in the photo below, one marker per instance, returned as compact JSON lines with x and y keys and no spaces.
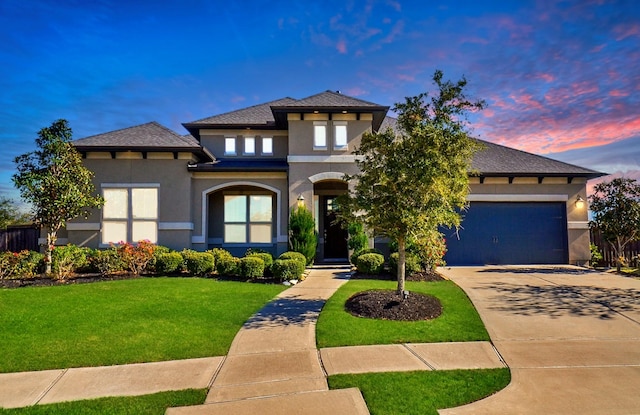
{"x":510,"y":233}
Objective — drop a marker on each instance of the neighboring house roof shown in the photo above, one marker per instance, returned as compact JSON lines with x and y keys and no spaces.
{"x":273,"y":114}
{"x":498,"y":160}
{"x":145,"y":137}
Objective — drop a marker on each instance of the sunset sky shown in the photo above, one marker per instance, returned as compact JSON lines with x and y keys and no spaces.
{"x":559,"y":77}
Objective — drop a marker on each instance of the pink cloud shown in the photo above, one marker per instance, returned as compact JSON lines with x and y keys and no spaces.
{"x":356,"y":91}
{"x":623,"y":31}
{"x":618,"y":93}
{"x":341,"y":46}
{"x":547,"y":77}
{"x":408,"y":78}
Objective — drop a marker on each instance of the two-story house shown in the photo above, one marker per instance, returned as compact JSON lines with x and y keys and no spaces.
{"x":233,"y":180}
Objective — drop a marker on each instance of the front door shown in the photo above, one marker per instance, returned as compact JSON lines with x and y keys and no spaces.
{"x":335,"y":238}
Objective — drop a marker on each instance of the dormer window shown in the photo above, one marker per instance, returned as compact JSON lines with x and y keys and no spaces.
{"x":249,"y":146}
{"x":230,"y":146}
{"x":319,"y":135}
{"x":340,"y":135}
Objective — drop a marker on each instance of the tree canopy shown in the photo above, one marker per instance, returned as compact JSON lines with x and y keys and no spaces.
{"x":616,"y":213}
{"x":55,"y":182}
{"x":414,"y":179}
{"x":11,"y":213}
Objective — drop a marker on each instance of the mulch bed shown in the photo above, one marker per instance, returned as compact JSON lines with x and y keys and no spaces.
{"x":388,"y":305}
{"x":75,"y":279}
{"x":418,"y":276}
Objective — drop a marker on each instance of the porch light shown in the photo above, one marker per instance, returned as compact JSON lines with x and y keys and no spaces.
{"x":579,"y":202}
{"x":300,"y":200}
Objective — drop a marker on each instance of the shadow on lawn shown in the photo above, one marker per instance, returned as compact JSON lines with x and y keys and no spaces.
{"x":563,"y":300}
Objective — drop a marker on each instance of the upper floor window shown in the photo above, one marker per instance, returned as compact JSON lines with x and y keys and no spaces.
{"x":230,"y":146}
{"x":249,"y":146}
{"x":130,"y":214}
{"x":267,"y":145}
{"x":319,"y":135}
{"x":340,"y":134}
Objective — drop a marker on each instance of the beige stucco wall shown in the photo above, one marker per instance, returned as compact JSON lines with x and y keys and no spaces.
{"x":301,"y":134}
{"x":204,"y":184}
{"x":174,"y":194}
{"x":213,"y":140}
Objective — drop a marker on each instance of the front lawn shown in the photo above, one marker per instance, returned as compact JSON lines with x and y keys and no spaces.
{"x":459,"y":320}
{"x":422,"y":393}
{"x":155,"y":404}
{"x":129,"y":321}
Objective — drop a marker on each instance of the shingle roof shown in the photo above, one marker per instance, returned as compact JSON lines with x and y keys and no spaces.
{"x":254,"y":115}
{"x":330,"y":99}
{"x":145,"y":137}
{"x":495,"y":159}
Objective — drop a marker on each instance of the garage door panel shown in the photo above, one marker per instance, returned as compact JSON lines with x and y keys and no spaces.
{"x":510,"y":233}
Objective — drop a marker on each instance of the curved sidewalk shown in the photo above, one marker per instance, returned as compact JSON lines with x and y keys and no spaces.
{"x":273,"y":365}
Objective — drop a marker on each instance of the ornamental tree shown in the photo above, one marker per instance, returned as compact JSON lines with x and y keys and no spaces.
{"x":55,"y":182}
{"x":303,"y":237}
{"x":414,"y":180}
{"x":616,"y":213}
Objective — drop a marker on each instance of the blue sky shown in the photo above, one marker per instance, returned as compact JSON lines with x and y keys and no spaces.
{"x":560,"y":77}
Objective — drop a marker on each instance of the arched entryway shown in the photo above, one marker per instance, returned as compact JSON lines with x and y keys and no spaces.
{"x":332,"y":238}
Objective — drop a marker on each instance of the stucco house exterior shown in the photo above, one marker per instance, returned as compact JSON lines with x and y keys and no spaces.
{"x":233,"y":180}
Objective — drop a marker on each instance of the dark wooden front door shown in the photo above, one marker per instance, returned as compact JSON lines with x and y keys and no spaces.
{"x":335,"y":238}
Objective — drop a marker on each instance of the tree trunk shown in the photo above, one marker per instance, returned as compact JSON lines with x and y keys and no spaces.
{"x":401,"y":265}
{"x":619,"y":254}
{"x":51,"y":242}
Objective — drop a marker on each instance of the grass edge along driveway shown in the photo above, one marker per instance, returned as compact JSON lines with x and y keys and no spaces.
{"x":120,"y":322}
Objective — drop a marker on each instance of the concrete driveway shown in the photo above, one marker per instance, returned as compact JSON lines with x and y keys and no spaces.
{"x":570,"y":336}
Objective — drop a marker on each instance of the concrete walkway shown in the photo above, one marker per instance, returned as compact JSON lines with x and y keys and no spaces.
{"x":570,"y":336}
{"x":273,"y":365}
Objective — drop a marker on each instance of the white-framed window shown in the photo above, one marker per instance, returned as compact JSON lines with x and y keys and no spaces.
{"x":249,"y":146}
{"x":267,"y":145}
{"x":340,"y":135}
{"x":230,"y":146}
{"x":130,"y":214}
{"x":319,"y":135}
{"x":247,"y":219}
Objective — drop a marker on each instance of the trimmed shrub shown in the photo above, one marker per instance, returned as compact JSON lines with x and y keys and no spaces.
{"x":31,"y":263}
{"x":68,"y":259}
{"x":198,"y":263}
{"x":228,"y":266}
{"x":356,"y":254}
{"x":169,"y":262}
{"x":302,"y":233}
{"x":23,"y":264}
{"x":219,"y":254}
{"x":295,"y":256}
{"x":411,"y":263}
{"x":252,"y":267}
{"x":106,"y":261}
{"x":287,"y":269}
{"x":266,"y":258}
{"x":370,"y":263}
{"x":136,"y":258}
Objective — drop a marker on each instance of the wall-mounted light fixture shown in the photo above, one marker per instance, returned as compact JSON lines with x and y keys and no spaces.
{"x":579,"y":202}
{"x":300,"y":200}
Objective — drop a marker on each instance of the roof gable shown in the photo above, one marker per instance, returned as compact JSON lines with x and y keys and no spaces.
{"x":260,"y":114}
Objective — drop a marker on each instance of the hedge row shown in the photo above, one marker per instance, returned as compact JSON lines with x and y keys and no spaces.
{"x":147,"y":258}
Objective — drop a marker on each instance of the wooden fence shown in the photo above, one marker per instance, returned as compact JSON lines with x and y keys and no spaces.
{"x":631,"y":251}
{"x":19,"y":237}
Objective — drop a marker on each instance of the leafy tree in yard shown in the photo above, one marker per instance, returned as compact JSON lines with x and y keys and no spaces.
{"x":414,"y":180}
{"x":11,"y":214}
{"x":302,"y":233}
{"x":55,"y":182}
{"x":616,"y":213}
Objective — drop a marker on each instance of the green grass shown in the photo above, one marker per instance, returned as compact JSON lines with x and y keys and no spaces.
{"x":118,"y":322}
{"x":155,"y":404}
{"x":422,"y":393}
{"x":459,"y":320}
